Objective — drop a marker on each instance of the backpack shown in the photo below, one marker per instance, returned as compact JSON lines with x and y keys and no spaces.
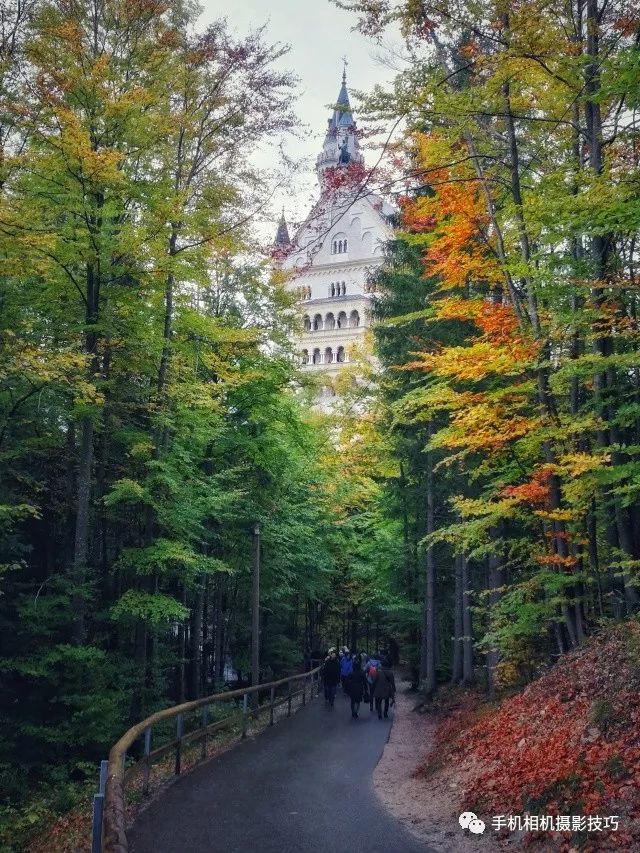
{"x":372,"y":672}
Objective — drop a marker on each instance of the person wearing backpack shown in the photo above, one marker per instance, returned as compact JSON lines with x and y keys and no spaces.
{"x":384,"y":690}
{"x":373,"y":665}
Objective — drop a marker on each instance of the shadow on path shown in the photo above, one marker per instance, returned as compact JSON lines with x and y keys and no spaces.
{"x":304,"y":785}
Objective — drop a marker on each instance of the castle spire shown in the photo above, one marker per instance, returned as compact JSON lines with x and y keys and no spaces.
{"x":341,"y":145}
{"x":282,"y":234}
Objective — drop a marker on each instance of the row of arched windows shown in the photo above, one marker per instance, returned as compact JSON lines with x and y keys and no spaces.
{"x":338,"y":288}
{"x":326,"y":357}
{"x":317,"y":324}
{"x":338,"y":247}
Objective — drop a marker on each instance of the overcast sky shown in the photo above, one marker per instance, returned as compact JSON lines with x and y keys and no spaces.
{"x":319,"y":35}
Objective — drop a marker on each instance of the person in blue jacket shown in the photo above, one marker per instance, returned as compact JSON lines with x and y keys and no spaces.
{"x":346,"y":668}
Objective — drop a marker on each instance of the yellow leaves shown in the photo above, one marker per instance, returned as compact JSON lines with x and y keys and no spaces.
{"x":576,"y":464}
{"x":423,"y":403}
{"x":484,"y":427}
{"x":37,"y":365}
{"x":557,"y":514}
{"x":480,"y":508}
{"x":99,"y":166}
{"x":86,"y":394}
{"x":477,"y":361}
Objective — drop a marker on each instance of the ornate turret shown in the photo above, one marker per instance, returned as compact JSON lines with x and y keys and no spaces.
{"x":341,"y":146}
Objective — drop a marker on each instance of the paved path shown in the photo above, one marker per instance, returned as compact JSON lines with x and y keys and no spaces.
{"x":302,"y":786}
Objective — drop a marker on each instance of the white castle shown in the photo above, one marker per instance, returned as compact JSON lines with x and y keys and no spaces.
{"x":332,"y":254}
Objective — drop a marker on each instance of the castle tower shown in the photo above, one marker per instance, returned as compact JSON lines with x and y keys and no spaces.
{"x":332,"y":254}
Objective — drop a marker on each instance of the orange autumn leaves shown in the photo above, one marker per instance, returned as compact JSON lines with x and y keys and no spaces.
{"x":452,"y":226}
{"x":488,"y":419}
{"x":455,"y":218}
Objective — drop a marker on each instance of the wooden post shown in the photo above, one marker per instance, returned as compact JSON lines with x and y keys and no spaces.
{"x":205,"y":723}
{"x":304,"y":690}
{"x":147,"y":761}
{"x":245,"y":697}
{"x":179,"y":733}
{"x":272,"y":699}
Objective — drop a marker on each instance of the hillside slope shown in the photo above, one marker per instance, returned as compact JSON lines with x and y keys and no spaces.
{"x":568,"y":744}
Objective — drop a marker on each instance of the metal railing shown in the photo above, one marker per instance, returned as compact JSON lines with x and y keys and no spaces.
{"x":109,"y":825}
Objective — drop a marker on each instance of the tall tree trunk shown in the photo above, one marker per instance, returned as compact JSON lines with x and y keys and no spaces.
{"x":605,"y":383}
{"x":456,"y":665}
{"x":196,"y":642}
{"x":496,"y":581}
{"x":467,"y":627}
{"x":428,"y":645}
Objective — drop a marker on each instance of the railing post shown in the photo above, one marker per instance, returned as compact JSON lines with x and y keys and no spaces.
{"x":271,"y":701}
{"x":205,"y":723}
{"x":304,"y":690}
{"x":98,"y":810}
{"x":289,"y":699}
{"x":179,"y":733}
{"x":147,"y":761}
{"x":245,"y":702}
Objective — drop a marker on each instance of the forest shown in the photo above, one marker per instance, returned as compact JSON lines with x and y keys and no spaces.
{"x":475,"y":497}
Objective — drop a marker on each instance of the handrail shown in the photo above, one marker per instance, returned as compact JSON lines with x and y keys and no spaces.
{"x":114,"y":838}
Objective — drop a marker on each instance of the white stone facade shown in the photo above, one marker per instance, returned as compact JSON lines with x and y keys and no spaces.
{"x":331,"y":256}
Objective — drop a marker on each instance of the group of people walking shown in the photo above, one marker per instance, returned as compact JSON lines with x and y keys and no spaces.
{"x":363,"y":679}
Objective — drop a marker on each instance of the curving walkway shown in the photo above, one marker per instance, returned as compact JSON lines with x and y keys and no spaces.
{"x":302,"y":786}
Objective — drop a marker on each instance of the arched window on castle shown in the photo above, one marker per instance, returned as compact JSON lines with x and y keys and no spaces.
{"x":304,"y":356}
{"x":316,"y":358}
{"x":340,"y":354}
{"x":354,"y":319}
{"x":330,"y":321}
{"x":342,"y":320}
{"x":339,"y":245}
{"x":317,"y":322}
{"x":306,"y":322}
{"x":328,"y":355}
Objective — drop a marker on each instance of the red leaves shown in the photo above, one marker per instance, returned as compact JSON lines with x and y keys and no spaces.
{"x":350,"y":176}
{"x":535,"y":492}
{"x":569,"y":743}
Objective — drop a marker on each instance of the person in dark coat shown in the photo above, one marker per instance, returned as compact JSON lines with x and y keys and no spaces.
{"x":331,"y":677}
{"x":354,"y":687}
{"x":384,"y":689}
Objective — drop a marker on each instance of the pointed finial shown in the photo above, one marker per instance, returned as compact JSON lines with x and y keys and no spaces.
{"x":345,"y":62}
